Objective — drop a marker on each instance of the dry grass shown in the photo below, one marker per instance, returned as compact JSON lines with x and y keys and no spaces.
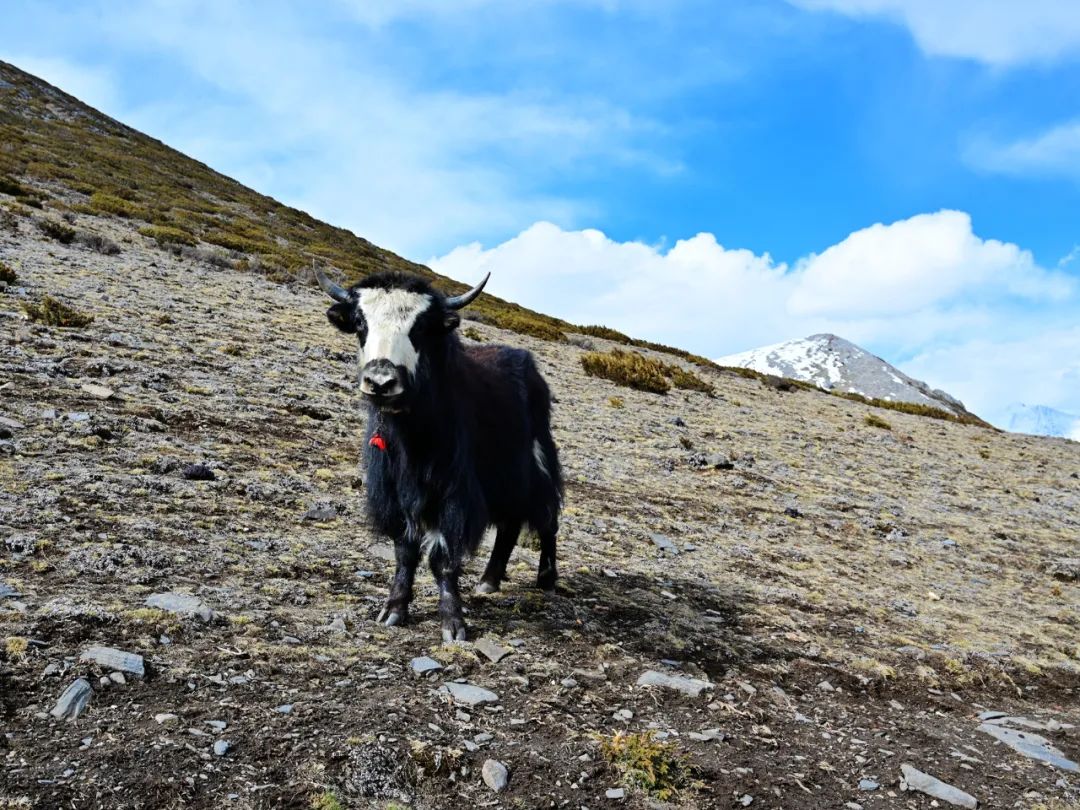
{"x":641,"y":373}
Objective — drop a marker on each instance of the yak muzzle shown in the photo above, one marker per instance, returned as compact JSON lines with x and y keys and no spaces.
{"x":381,"y":382}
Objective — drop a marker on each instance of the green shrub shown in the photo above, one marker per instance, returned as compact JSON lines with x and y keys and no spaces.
{"x":873,"y":420}
{"x":241,"y":244}
{"x":52,"y":312}
{"x":627,"y":368}
{"x":472,"y":334}
{"x":165,"y":236}
{"x":109,"y":204}
{"x":7,"y":275}
{"x":57,"y":230}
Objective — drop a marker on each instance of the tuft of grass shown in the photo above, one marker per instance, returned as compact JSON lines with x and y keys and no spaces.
{"x":57,"y":230}
{"x":627,"y":368}
{"x":873,"y":420}
{"x":7,"y":275}
{"x":166,"y":235}
{"x":644,"y":762}
{"x":53,"y":312}
{"x":327,"y":800}
{"x":472,"y":334}
{"x":15,"y":647}
{"x":616,"y":402}
{"x":642,"y":373}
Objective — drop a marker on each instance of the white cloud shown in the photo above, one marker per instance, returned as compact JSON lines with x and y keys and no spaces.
{"x":1055,"y":152}
{"x":368,"y":143}
{"x":996,"y":32}
{"x":925,"y":286}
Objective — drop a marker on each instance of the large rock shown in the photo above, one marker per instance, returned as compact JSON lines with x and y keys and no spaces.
{"x":467,"y":694}
{"x":182,"y":603}
{"x":915,"y":779}
{"x":495,"y":775}
{"x":72,"y":703}
{"x":114,"y":660}
{"x":680,"y":683}
{"x":1030,"y":745}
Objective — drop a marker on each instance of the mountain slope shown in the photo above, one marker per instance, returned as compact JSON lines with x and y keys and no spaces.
{"x":836,"y":364}
{"x":1040,"y":420}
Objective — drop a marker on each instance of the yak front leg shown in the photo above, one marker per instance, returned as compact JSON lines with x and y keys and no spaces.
{"x":447,"y":571}
{"x":396,"y":609}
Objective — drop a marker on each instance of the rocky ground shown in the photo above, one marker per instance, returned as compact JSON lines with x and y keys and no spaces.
{"x":834,"y":600}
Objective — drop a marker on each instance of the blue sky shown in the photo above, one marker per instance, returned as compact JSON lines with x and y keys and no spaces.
{"x":905,"y":173}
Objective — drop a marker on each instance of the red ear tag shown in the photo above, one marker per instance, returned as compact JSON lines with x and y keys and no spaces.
{"x":378,"y":442}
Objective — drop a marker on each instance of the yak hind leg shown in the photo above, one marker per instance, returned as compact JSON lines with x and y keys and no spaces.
{"x":506,"y":537}
{"x":396,"y":609}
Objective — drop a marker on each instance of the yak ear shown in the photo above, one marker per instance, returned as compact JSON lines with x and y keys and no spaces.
{"x":343,"y":316}
{"x":451,"y":320}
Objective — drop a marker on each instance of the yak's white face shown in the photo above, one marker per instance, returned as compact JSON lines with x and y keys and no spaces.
{"x":389,"y":317}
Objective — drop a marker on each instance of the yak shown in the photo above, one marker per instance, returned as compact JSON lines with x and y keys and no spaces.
{"x":458,"y":438}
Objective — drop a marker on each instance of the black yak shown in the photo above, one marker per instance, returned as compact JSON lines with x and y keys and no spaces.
{"x":458,"y":439}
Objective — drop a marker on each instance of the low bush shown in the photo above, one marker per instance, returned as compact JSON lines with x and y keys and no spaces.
{"x":604,"y":332}
{"x":167,"y":236}
{"x":57,"y":230}
{"x":627,"y":368}
{"x":525,"y":324}
{"x":98,"y":243}
{"x":7,"y":274}
{"x":643,"y":762}
{"x":873,"y":420}
{"x":103,"y":203}
{"x":9,"y":186}
{"x":643,"y":373}
{"x":52,"y":312}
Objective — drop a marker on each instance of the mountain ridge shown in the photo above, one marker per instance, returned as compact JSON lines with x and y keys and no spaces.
{"x":836,"y":364}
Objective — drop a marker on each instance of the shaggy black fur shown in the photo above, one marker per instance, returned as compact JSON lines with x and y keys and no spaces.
{"x":468,"y":445}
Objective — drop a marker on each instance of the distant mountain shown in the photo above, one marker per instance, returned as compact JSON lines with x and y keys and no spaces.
{"x":1041,"y":420}
{"x":836,"y":364}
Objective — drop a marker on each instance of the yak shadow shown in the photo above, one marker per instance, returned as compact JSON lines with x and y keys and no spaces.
{"x":702,"y":625}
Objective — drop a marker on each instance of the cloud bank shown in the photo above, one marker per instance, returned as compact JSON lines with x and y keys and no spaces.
{"x":926,"y":291}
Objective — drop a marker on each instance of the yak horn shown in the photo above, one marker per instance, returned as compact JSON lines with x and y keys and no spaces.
{"x":335,"y":291}
{"x":463,"y":300}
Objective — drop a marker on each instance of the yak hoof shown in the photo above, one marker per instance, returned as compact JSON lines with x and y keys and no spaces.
{"x":454,"y":631}
{"x":483,"y":586}
{"x":391,"y":618}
